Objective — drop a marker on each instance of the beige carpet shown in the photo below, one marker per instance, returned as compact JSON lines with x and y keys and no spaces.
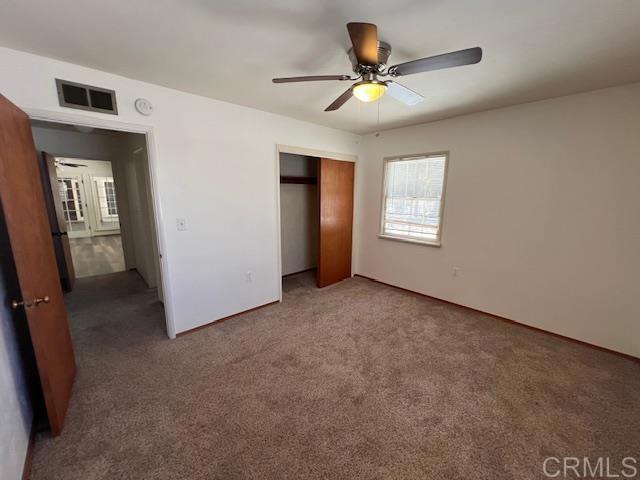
{"x":358,"y":380}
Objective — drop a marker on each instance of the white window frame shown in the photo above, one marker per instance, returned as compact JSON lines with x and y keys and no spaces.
{"x":75,"y":188}
{"x":437,"y":242}
{"x":103,"y":209}
{"x":111,"y":202}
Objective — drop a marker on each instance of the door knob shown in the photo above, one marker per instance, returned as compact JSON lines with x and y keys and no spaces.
{"x":33,"y":303}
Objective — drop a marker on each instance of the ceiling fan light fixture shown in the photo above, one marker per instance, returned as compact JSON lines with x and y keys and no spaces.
{"x":369,"y":59}
{"x":369,"y":90}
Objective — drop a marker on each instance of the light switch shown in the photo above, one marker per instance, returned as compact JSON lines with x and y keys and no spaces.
{"x":181,"y":224}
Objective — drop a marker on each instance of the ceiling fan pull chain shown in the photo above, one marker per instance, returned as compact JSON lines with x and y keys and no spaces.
{"x":378,"y":125}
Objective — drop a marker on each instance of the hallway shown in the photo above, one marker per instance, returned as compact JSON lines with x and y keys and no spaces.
{"x":119,"y":301}
{"x":98,"y":255}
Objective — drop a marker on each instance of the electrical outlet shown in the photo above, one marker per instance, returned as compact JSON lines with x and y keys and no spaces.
{"x":181,"y":224}
{"x":249,"y":277}
{"x":456,"y":271}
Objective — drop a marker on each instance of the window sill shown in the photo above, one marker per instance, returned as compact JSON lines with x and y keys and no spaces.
{"x":429,"y":243}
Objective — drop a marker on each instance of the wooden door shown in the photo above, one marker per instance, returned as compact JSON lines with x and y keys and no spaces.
{"x":61,"y":247}
{"x":335,"y":191}
{"x":29,"y":235}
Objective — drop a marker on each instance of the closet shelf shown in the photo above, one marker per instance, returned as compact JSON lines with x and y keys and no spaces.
{"x":301,"y":180}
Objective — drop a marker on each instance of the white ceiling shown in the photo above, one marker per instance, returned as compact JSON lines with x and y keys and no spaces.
{"x":230,"y":49}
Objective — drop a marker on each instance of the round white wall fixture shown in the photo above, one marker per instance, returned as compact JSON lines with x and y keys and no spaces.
{"x":144,"y":106}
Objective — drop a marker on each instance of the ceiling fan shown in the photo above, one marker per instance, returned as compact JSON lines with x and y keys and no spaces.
{"x":60,"y":164}
{"x":369,"y":59}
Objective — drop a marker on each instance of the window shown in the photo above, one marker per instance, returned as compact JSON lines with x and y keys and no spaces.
{"x":71,"y":200}
{"x":413,"y":198}
{"x":107,"y":199}
{"x":110,"y":192}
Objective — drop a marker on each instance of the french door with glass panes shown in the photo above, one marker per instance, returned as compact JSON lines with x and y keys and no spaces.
{"x":74,"y":205}
{"x":89,"y":204}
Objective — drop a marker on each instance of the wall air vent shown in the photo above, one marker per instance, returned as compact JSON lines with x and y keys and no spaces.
{"x":86,"y":97}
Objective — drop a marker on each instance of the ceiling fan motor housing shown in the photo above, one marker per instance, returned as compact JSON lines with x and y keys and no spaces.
{"x":369,"y":58}
{"x":384,"y":50}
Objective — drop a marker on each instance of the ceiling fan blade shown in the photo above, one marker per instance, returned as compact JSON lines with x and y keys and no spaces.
{"x":313,"y":78}
{"x":403,"y":94}
{"x":446,"y":60}
{"x":364,"y":37}
{"x":338,"y":102}
{"x":69,"y":164}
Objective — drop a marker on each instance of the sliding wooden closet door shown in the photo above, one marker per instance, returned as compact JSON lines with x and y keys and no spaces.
{"x":335,"y":191}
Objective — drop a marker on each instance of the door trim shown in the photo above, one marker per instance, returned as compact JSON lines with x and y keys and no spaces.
{"x":346,"y":157}
{"x":148,"y":132}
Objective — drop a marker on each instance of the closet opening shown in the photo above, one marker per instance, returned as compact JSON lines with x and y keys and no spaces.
{"x":316,"y":220}
{"x":299,"y":220}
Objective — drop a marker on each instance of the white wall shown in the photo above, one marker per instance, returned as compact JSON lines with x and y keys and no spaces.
{"x":294,"y":165}
{"x":134,"y":185}
{"x":541,"y":215}
{"x":15,"y":409}
{"x":215,"y":167}
{"x":299,"y":214}
{"x":299,"y":223}
{"x":70,"y":143}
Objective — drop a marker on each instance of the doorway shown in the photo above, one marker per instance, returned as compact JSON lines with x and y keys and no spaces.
{"x":97,"y":193}
{"x":28,"y":234}
{"x":102,"y":192}
{"x":316,"y":218}
{"x":299,"y":221}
